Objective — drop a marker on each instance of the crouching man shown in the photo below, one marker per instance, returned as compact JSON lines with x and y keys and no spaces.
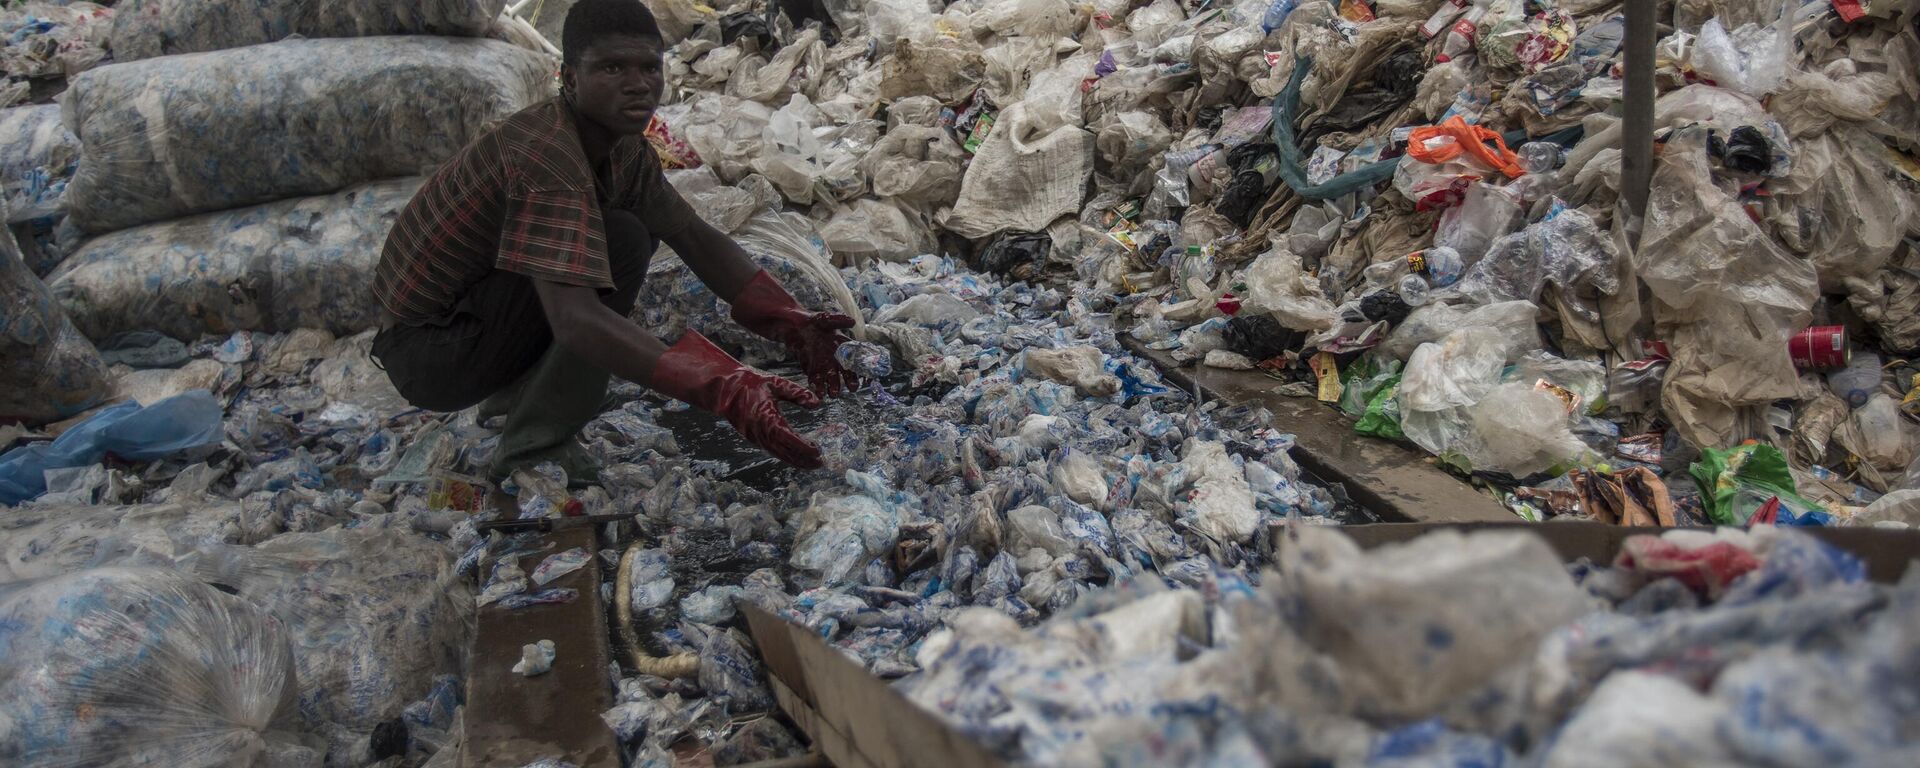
{"x":509,"y":278}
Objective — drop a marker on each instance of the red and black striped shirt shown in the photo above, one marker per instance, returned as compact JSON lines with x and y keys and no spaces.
{"x":520,"y":198}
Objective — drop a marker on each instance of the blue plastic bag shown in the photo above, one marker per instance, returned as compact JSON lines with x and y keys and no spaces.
{"x":179,"y":423}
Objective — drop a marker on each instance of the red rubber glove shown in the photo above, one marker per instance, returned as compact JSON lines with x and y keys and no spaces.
{"x":698,"y":373}
{"x":811,"y":337}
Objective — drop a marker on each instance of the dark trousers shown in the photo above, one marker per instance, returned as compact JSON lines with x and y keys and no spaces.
{"x":498,"y":331}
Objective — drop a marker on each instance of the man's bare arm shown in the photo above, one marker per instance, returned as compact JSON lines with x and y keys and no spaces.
{"x":597,"y":334}
{"x":715,"y":258}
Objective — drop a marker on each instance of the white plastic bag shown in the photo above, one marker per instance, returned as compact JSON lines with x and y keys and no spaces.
{"x":872,"y":229}
{"x":1023,"y":177}
{"x":1277,"y":285}
{"x":1522,"y":430}
{"x":1751,"y":59}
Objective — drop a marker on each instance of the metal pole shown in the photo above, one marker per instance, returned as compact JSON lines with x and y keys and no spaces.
{"x":1636,"y":147}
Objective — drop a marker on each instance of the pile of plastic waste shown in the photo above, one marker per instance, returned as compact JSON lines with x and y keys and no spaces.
{"x":1409,"y":209}
{"x":1693,"y":648}
{"x":226,"y":525}
{"x":50,"y":39}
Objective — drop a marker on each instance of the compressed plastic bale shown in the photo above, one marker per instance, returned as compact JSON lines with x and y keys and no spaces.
{"x":48,"y":369}
{"x":137,"y":666}
{"x":304,"y":263}
{"x":38,"y":156}
{"x":1412,"y":627}
{"x":143,"y":29}
{"x":374,"y":618}
{"x":201,"y":132}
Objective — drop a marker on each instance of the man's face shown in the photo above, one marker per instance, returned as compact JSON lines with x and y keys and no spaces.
{"x":617,"y":83}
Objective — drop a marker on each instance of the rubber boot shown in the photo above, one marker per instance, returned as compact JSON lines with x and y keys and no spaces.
{"x":558,"y":398}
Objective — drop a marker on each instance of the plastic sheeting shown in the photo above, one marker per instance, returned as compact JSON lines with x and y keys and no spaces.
{"x":303,"y":263}
{"x":201,"y":132}
{"x":1727,"y":295}
{"x":143,"y":29}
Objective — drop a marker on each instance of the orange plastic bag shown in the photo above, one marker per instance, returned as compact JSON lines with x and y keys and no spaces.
{"x":1426,"y":145}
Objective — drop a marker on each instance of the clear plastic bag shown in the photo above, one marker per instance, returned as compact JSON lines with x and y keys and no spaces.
{"x":1522,"y":430}
{"x":1728,"y":296}
{"x":728,"y":133}
{"x":838,"y":534}
{"x":375,"y":617}
{"x":871,"y":229}
{"x":1469,"y":228}
{"x":917,"y":165}
{"x":1567,"y":250}
{"x":287,"y":119}
{"x":1456,"y":372}
{"x":1515,"y":321}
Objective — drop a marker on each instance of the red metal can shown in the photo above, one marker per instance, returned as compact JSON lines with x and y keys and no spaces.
{"x":1820,"y":348}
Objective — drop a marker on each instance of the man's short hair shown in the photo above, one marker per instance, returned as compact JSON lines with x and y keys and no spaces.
{"x":591,"y":20}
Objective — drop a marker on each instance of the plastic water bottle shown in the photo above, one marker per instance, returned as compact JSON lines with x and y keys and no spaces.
{"x":1415,"y":291}
{"x":1857,"y":382}
{"x":1540,"y":156}
{"x":1277,"y":14}
{"x":1441,"y":265}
